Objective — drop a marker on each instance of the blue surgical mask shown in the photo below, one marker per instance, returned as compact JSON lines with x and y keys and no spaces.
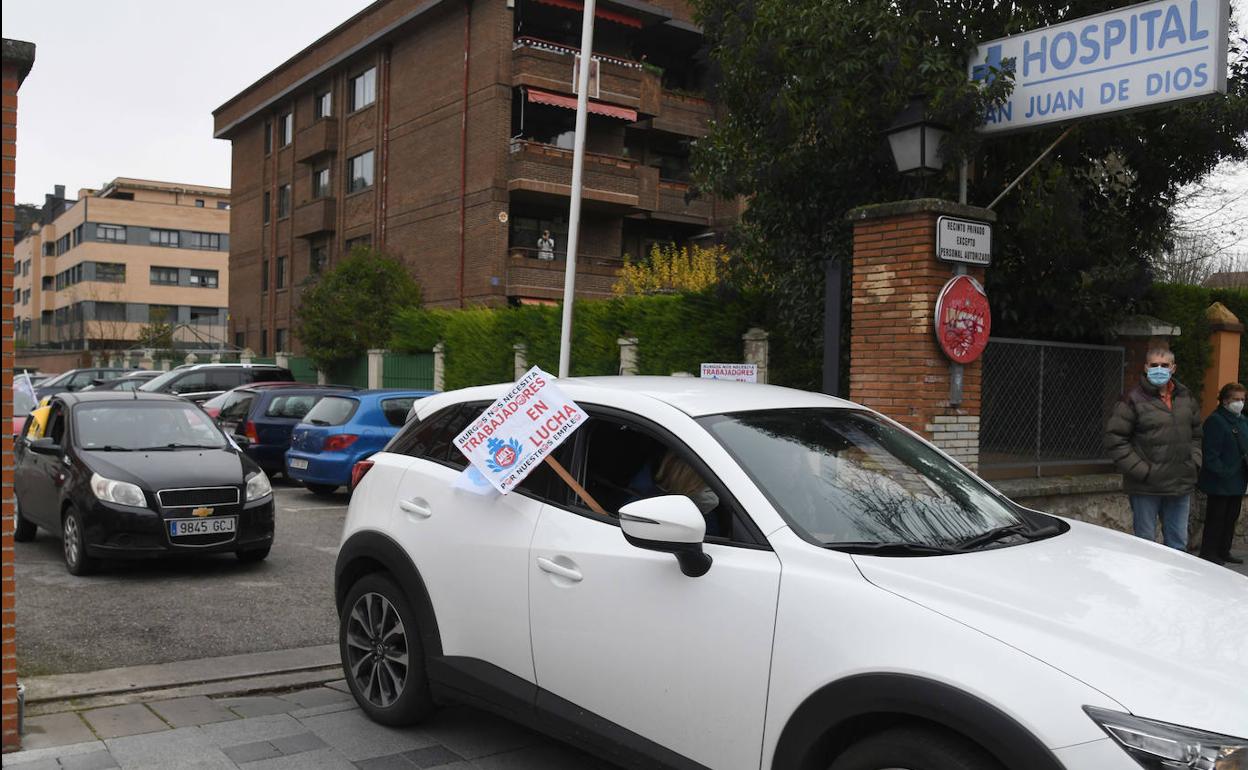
{"x":1158,"y":375}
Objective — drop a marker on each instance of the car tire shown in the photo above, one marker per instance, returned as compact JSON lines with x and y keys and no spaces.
{"x":252,"y":555}
{"x":74,"y":544}
{"x":23,"y":530}
{"x":373,"y":645}
{"x":323,"y":490}
{"x":915,"y":748}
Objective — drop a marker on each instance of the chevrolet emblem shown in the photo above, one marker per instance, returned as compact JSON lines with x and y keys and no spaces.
{"x":201,"y":512}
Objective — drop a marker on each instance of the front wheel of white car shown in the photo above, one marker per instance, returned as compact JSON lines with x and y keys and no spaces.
{"x":382,"y":657}
{"x":914,"y":748}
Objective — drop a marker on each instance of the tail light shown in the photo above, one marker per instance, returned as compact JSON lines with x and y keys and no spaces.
{"x":249,"y":430}
{"x":339,"y":442}
{"x":358,"y":470}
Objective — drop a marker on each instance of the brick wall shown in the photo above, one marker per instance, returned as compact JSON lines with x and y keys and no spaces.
{"x":18,"y":58}
{"x":896,"y":365}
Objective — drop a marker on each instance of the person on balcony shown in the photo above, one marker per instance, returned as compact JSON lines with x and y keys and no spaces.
{"x":546,"y":246}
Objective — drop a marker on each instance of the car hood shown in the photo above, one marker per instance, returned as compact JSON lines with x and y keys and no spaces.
{"x":1159,"y":631}
{"x":172,"y":469}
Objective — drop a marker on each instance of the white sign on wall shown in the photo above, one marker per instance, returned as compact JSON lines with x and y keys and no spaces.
{"x":734,"y":372}
{"x":519,"y":430}
{"x":1138,"y":56}
{"x":963,"y":240}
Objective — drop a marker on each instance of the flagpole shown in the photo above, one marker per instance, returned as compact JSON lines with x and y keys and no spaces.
{"x":578,"y":169}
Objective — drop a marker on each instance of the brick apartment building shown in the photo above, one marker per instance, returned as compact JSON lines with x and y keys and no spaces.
{"x":440,"y":131}
{"x":94,"y":270}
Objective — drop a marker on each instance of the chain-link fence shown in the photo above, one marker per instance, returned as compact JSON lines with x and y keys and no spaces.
{"x":1046,"y":403}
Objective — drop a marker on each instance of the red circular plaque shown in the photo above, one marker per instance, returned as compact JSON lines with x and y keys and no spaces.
{"x":963,"y":320}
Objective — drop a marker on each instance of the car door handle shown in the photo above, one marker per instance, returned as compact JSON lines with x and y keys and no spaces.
{"x":555,"y":568}
{"x":416,"y":507}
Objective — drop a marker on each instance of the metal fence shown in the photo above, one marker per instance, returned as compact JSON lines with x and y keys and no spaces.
{"x":1045,"y":404}
{"x":412,"y":371}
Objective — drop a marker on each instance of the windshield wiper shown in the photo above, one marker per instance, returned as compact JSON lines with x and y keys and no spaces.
{"x":1000,"y":533}
{"x":892,"y":549}
{"x":109,"y":448}
{"x":176,"y":445}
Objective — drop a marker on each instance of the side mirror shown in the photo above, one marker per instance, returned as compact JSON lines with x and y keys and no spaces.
{"x":45,"y":446}
{"x":670,"y":524}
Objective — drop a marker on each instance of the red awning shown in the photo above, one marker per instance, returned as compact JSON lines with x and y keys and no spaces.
{"x":602,"y":13}
{"x":569,"y":103}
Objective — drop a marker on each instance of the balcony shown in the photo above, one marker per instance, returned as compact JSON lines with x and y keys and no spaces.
{"x":542,"y":64}
{"x":314,"y":218}
{"x":533,"y":278}
{"x":681,"y":113}
{"x":543,"y":171}
{"x":320,"y":138}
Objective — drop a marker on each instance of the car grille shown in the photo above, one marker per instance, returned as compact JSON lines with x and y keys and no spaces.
{"x":190,"y":498}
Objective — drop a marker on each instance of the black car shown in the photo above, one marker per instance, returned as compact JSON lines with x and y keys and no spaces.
{"x":200,"y":382}
{"x":131,"y":381}
{"x":77,"y":379}
{"x":126,"y":475}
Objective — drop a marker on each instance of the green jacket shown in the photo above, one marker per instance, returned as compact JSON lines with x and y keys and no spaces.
{"x":1157,"y":449}
{"x":1224,"y":471}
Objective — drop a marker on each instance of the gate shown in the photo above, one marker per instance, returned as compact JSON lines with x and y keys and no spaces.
{"x":303,"y":369}
{"x":414,"y":371}
{"x":352,"y":372}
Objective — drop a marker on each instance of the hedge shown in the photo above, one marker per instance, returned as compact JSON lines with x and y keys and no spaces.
{"x":1185,"y":307}
{"x":675,"y":332}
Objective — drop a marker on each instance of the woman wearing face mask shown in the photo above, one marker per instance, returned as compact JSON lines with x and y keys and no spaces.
{"x":1224,"y":475}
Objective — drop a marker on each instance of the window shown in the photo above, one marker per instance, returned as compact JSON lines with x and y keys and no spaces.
{"x":361,"y":242}
{"x":164,"y":276}
{"x":324,"y":106}
{"x":47,"y":282}
{"x":281,"y":273}
{"x":294,"y":407}
{"x":363,"y":89}
{"x":360,"y":171}
{"x":283,"y":201}
{"x":49,"y":249}
{"x":264,"y":342}
{"x":318,"y":258}
{"x":334,"y":410}
{"x":264,"y":275}
{"x":236,"y":407}
{"x":26,"y":267}
{"x":205,"y":316}
{"x":240,"y":340}
{"x":110,"y":311}
{"x":159,"y":237}
{"x":280,"y":340}
{"x":204,"y":279}
{"x":62,"y":244}
{"x":199,"y":203}
{"x":116,"y":233}
{"x":224,"y":206}
{"x":287,"y":128}
{"x":78,"y":233}
{"x":268,"y":137}
{"x":110,"y":272}
{"x":396,"y":410}
{"x":268,"y":204}
{"x":26,"y":296}
{"x":162,"y":314}
{"x":211,"y":241}
{"x":320,"y":182}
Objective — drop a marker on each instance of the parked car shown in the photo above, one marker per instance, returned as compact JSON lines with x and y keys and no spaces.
{"x":77,"y":379}
{"x":201,"y":382}
{"x":23,"y":404}
{"x":343,"y":429}
{"x":260,"y":417}
{"x":131,"y":381}
{"x":923,"y":619}
{"x":132,"y":475}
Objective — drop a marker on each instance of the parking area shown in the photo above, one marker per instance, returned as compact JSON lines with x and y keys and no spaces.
{"x":158,"y":611}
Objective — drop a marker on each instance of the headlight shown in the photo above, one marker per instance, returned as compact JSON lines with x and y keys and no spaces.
{"x":1163,"y":746}
{"x":120,"y":492}
{"x":258,"y":486}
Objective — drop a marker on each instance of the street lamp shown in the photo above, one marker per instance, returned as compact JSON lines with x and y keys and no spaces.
{"x":915,"y":140}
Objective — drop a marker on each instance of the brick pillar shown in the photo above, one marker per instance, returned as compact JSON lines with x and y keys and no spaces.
{"x":628,"y":355}
{"x":755,"y":351}
{"x":439,"y":367}
{"x":376,"y":367}
{"x":1225,"y":331}
{"x":19,"y":56}
{"x":896,"y":365}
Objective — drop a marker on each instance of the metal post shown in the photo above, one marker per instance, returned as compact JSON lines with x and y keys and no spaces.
{"x":956,"y":370}
{"x":1039,"y":409}
{"x":578,"y":170}
{"x":832,"y":327}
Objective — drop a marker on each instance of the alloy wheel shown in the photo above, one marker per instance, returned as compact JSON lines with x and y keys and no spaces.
{"x":72,"y":536}
{"x":377,"y":650}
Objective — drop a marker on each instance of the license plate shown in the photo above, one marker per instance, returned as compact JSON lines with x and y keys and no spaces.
{"x":298,"y":465}
{"x":211,"y":526}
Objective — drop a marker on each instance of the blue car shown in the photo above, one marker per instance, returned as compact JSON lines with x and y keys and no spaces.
{"x":261,"y":417}
{"x":343,"y":429}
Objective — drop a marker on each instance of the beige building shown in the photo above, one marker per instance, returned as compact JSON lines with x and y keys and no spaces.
{"x":101,"y":267}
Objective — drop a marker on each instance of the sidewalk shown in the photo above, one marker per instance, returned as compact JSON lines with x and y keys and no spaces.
{"x":313,"y":728}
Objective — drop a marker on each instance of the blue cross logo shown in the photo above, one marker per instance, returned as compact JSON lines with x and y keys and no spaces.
{"x":991,"y":66}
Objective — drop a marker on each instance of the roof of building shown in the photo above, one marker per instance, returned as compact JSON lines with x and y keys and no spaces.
{"x":1228,"y":279}
{"x":130,"y":183}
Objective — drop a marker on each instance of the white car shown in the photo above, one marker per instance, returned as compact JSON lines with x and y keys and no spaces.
{"x":792,"y":581}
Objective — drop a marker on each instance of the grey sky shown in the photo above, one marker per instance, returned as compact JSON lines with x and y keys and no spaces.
{"x":127,"y":88}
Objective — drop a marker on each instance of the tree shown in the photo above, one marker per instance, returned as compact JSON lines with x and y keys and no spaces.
{"x":349,"y":309}
{"x":672,"y":269}
{"x":807,"y":87}
{"x":157,"y":334}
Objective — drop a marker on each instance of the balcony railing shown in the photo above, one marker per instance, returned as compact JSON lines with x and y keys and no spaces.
{"x":543,"y":64}
{"x":320,"y":138}
{"x":528,"y":276}
{"x":315,"y":217}
{"x":546,"y":169}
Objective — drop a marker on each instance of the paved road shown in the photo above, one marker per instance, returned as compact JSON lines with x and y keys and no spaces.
{"x":133,"y":613}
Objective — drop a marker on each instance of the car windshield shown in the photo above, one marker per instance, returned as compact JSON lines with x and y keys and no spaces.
{"x":848,"y":477}
{"x":132,"y":425}
{"x":332,"y":410}
{"x":157,"y":383}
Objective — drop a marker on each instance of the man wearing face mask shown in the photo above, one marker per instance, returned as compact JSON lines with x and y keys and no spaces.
{"x":1153,"y":437}
{"x":1224,"y":475}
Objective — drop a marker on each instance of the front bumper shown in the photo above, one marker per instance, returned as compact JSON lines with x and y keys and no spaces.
{"x":121,"y":532}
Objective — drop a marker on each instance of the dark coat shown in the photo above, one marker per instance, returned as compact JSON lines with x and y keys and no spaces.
{"x":1225,"y":470}
{"x":1157,"y":449}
